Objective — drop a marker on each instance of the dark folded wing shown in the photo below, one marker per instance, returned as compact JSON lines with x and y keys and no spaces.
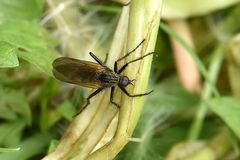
{"x":83,"y":73}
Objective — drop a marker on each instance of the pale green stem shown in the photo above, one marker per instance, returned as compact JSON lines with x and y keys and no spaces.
{"x":214,"y":68}
{"x":144,"y":20}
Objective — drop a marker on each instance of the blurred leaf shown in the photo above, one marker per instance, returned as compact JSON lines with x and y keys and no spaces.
{"x":171,"y":96}
{"x":157,"y":129}
{"x":233,"y":59}
{"x":23,"y":9}
{"x":9,"y":149}
{"x":213,"y":149}
{"x":25,"y":38}
{"x":155,"y":137}
{"x":30,"y":147}
{"x":53,"y":144}
{"x":66,"y":109}
{"x":7,"y":56}
{"x":11,"y":132}
{"x":31,"y":43}
{"x":178,"y":9}
{"x":229,"y":110}
{"x":48,"y":117}
{"x":163,"y":59}
{"x":13,"y":103}
{"x":225,"y":24}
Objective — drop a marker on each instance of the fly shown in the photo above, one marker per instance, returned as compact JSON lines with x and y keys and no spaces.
{"x":96,"y":75}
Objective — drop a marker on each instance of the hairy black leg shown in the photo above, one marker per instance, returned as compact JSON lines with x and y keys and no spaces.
{"x":134,"y":95}
{"x":99,"y":61}
{"x":131,"y":51}
{"x":111,"y":98}
{"x":115,"y":67}
{"x":88,"y":99}
{"x":125,"y":65}
{"x":96,"y":58}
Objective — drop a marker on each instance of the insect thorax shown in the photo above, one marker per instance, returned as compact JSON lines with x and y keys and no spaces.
{"x":109,"y":79}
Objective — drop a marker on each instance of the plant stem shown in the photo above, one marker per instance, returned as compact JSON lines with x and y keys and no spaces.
{"x":214,"y":69}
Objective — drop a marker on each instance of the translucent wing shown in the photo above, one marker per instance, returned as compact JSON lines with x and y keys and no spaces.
{"x":83,"y":73}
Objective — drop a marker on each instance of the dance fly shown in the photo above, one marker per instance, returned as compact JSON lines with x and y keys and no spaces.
{"x":95,"y":75}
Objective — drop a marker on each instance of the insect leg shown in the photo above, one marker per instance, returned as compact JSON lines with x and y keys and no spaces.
{"x":88,"y":99}
{"x":131,"y":51}
{"x":106,"y":58}
{"x":125,"y":65}
{"x":115,"y":67}
{"x":134,"y":95}
{"x":111,"y":98}
{"x":96,"y":58}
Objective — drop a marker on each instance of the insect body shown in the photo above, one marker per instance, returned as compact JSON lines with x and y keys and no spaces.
{"x":83,"y":73}
{"x":95,"y":75}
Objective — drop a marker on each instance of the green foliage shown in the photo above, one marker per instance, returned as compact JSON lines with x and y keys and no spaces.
{"x":228,"y":109}
{"x":156,"y":135}
{"x":13,"y":103}
{"x":53,"y":145}
{"x":47,"y":91}
{"x":31,"y":146}
{"x":26,"y":40}
{"x":21,"y":10}
{"x":9,"y":149}
{"x":22,"y":38}
{"x":8,"y":58}
{"x":66,"y":110}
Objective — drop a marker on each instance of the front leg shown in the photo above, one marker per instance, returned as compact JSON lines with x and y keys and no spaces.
{"x":96,"y":59}
{"x":88,"y":99}
{"x":111,"y":98}
{"x":106,"y":59}
{"x":134,"y":95}
{"x":135,"y":60}
{"x":115,"y":67}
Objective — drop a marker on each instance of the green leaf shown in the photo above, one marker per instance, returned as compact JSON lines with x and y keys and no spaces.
{"x":9,"y":149}
{"x":66,"y":109}
{"x":23,"y":9}
{"x":171,"y":96}
{"x":53,"y":145}
{"x":11,"y":132}
{"x":177,"y":9}
{"x":13,"y":103}
{"x":48,"y":89}
{"x":31,"y":41}
{"x":32,"y":146}
{"x":22,"y":36}
{"x":7,"y":56}
{"x":229,"y":111}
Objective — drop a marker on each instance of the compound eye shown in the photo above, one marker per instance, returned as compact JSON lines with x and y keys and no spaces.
{"x":124,"y":81}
